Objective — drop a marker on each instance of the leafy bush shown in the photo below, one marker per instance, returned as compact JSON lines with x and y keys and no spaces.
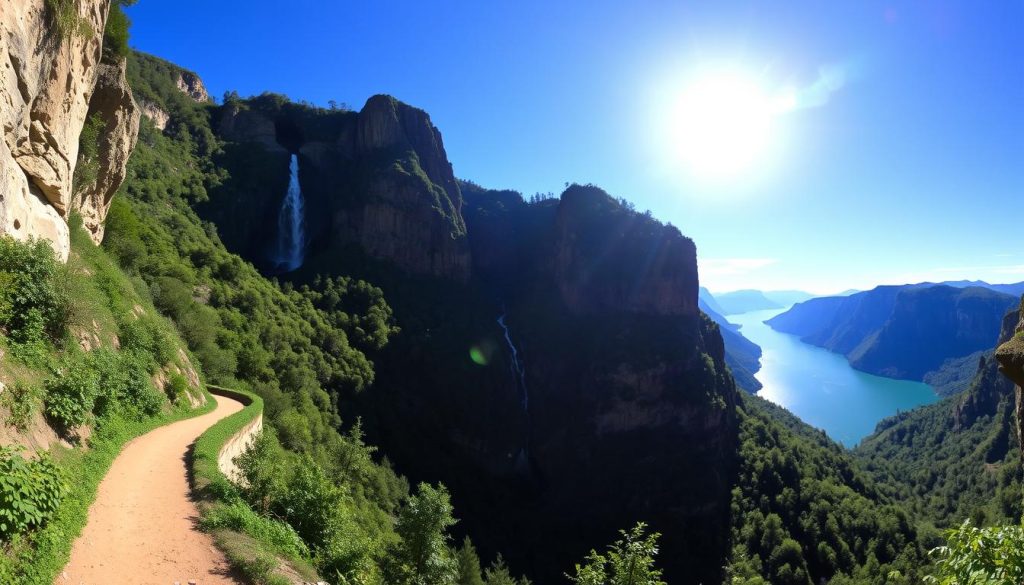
{"x":147,"y":335}
{"x":124,"y":383}
{"x":176,"y":388}
{"x":630,"y":561}
{"x":115,"y":35}
{"x":34,"y":301}
{"x":21,"y":402}
{"x":30,"y":492}
{"x":71,"y":393}
{"x":980,"y":556}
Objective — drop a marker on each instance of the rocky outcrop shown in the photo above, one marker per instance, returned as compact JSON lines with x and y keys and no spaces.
{"x":412,"y":211}
{"x":47,"y":81}
{"x":607,"y":257}
{"x":155,"y":114}
{"x":191,"y":85}
{"x":379,"y":179}
{"x":614,"y":379}
{"x":386,"y":123}
{"x":241,"y":124}
{"x":112,"y":102}
{"x":1010,"y":355}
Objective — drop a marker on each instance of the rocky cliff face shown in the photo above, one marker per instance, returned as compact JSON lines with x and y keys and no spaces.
{"x":625,"y":409}
{"x":1010,"y":355}
{"x":49,"y":79}
{"x":379,"y":179}
{"x":607,"y":257}
{"x":191,"y":85}
{"x":118,"y":132}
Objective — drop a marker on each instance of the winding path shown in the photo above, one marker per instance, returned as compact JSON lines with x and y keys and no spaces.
{"x":142,"y":527}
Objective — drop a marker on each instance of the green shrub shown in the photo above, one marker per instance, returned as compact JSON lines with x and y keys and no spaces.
{"x":264,"y":470}
{"x":259,"y":569}
{"x":240,"y":517}
{"x":115,"y":35}
{"x":980,"y":556}
{"x":30,"y":492}
{"x":148,"y":336}
{"x":34,"y":301}
{"x":71,"y":393}
{"x":21,"y":402}
{"x":124,"y":383}
{"x":176,"y":388}
{"x":629,"y":561}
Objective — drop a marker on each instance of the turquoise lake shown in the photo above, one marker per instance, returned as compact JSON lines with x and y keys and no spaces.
{"x":821,"y":388}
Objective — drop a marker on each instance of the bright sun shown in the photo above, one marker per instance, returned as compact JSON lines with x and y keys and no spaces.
{"x":724,"y":123}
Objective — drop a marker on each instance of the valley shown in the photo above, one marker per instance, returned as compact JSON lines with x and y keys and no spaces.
{"x":429,"y":380}
{"x":821,"y":387}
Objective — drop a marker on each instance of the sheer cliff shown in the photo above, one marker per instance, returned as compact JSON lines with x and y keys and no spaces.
{"x":69,"y":120}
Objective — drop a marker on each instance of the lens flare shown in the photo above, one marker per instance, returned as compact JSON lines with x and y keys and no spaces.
{"x":478,"y":356}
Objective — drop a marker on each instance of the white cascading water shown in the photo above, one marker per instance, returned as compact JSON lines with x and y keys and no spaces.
{"x":291,"y":223}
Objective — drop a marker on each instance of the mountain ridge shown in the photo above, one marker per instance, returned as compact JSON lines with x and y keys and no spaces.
{"x":900,"y":331}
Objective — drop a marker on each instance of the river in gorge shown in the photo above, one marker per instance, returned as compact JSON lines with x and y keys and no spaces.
{"x":821,"y":388}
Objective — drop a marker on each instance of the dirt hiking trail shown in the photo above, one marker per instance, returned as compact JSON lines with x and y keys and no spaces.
{"x":142,"y":528}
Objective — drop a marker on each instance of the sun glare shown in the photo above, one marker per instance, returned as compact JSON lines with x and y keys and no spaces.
{"x":724,"y":121}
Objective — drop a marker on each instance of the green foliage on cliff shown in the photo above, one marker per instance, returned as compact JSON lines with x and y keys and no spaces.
{"x":115,"y":34}
{"x":66,"y":21}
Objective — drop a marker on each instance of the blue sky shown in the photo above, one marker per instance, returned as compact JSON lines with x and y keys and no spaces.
{"x":904,"y":163}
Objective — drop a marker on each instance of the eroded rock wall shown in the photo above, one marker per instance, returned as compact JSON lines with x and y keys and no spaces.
{"x":48,"y":79}
{"x":1010,"y":355}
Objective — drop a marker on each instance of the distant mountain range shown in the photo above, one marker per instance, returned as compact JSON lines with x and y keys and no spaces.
{"x":1016,"y":289}
{"x":747,"y":300}
{"x":905,"y":332}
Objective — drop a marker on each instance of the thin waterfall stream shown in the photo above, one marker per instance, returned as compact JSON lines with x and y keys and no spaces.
{"x":519,"y":375}
{"x":291,"y":223}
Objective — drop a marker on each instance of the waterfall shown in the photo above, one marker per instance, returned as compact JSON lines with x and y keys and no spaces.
{"x":519,"y":375}
{"x":518,"y":371}
{"x":291,"y":223}
{"x":522,"y":460}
